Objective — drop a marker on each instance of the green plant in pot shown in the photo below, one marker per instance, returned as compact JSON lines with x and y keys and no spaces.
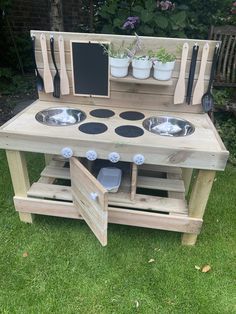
{"x":163,"y":63}
{"x":118,"y":58}
{"x":142,"y":65}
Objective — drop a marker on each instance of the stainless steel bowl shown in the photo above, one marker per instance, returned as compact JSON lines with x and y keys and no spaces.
{"x":168,"y":126}
{"x":60,"y":116}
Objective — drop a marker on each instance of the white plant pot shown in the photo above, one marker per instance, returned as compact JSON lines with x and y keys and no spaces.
{"x":163,"y":71}
{"x":119,"y":66}
{"x":141,"y":68}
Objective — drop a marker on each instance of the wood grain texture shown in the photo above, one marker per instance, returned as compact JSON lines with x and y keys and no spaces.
{"x":64,"y":82}
{"x":180,"y":87}
{"x":150,"y":43}
{"x":198,"y":200}
{"x":20,"y":179}
{"x":47,"y":76}
{"x":203,"y":149}
{"x":199,"y":88}
{"x":116,"y":215}
{"x":94,"y":211}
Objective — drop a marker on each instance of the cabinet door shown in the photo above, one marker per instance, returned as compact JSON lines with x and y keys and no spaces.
{"x":90,"y":198}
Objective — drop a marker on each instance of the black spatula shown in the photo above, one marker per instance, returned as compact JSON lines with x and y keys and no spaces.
{"x":207,"y":98}
{"x":191,"y":73}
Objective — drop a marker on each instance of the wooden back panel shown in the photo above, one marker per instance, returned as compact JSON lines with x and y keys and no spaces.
{"x":129,"y":95}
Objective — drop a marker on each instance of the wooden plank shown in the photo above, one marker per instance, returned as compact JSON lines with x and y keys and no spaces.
{"x":176,"y":194}
{"x":143,"y":202}
{"x":134,"y":177}
{"x":116,"y":94}
{"x":93,"y":210}
{"x":148,"y":202}
{"x":161,"y":184}
{"x":48,"y":158}
{"x":198,"y":200}
{"x":132,"y":85}
{"x":153,"y":43}
{"x":116,"y":215}
{"x":167,"y":156}
{"x":20,"y":179}
{"x":154,"y":221}
{"x":157,"y":168}
{"x":187,"y":176}
{"x":125,"y":79}
{"x":56,"y":172}
{"x":122,"y":100}
{"x":203,"y":149}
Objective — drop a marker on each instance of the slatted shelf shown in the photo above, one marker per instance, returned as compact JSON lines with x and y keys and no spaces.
{"x":121,"y":199}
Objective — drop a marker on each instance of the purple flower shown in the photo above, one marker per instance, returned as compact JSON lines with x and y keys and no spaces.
{"x":165,"y":5}
{"x":131,"y":22}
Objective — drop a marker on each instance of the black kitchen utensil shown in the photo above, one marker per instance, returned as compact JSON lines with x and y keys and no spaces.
{"x":191,"y":73}
{"x":39,"y":79}
{"x":207,"y":98}
{"x":56,"y":79}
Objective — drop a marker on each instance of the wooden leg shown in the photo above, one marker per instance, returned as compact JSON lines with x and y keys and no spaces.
{"x":20,"y":178}
{"x":187,"y":176}
{"x":198,"y":200}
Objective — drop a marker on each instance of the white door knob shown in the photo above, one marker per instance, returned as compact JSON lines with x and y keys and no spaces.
{"x":91,"y":155}
{"x":138,"y":159}
{"x":67,"y":152}
{"x":93,"y":196}
{"x":114,"y":157}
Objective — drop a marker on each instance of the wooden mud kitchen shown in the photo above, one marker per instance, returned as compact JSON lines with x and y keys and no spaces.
{"x":143,"y":135}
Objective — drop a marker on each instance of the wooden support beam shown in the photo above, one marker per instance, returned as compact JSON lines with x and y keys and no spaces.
{"x":198,"y":200}
{"x":187,"y":176}
{"x":20,"y":179}
{"x":134,"y":176}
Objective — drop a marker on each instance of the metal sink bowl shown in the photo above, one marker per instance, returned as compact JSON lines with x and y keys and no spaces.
{"x":60,"y":116}
{"x":168,"y":126}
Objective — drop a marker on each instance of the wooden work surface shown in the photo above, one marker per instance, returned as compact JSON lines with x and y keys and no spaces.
{"x":203,"y":149}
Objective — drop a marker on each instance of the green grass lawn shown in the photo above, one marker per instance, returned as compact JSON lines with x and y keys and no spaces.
{"x":68,"y":271}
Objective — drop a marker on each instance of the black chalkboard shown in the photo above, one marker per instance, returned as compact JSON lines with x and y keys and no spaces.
{"x":90,"y":69}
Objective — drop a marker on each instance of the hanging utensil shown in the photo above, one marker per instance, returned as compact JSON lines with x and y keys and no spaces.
{"x":192,"y":73}
{"x":65,"y":89}
{"x":39,"y":80}
{"x":56,"y":79}
{"x":47,"y":77}
{"x":199,"y":88}
{"x":180,"y":86}
{"x":207,"y":98}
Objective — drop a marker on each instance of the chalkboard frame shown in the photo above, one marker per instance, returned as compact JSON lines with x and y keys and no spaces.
{"x":72,"y":68}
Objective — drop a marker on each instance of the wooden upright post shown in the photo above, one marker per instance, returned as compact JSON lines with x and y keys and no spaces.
{"x":187,"y":176}
{"x":198,"y":200}
{"x":20,"y":179}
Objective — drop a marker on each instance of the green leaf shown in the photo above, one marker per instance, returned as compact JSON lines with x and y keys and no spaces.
{"x":146,"y":30}
{"x":137,"y":9}
{"x":178,"y":18}
{"x":111,"y":8}
{"x":117,"y":22}
{"x":161,"y":21}
{"x":150,"y":5}
{"x":146,"y":16}
{"x":107,"y":29}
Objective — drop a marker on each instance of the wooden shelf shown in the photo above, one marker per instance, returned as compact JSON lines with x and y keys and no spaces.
{"x":148,"y":81}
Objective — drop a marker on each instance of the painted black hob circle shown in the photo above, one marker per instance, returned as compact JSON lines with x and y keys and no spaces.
{"x":129,"y":131}
{"x":132,"y":115}
{"x":93,"y":128}
{"x":102,"y":113}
